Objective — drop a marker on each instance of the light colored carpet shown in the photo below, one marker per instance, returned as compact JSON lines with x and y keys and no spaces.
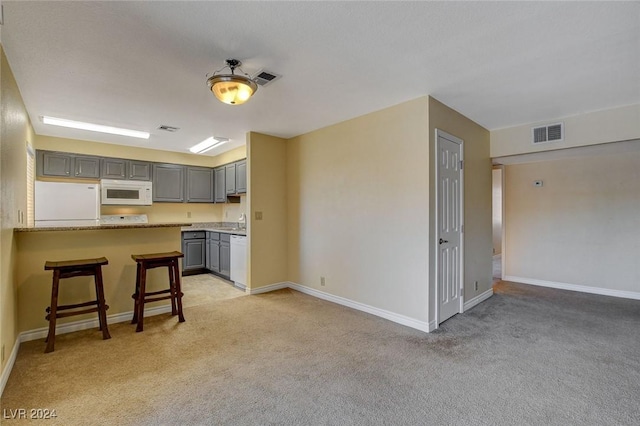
{"x":526,"y":356}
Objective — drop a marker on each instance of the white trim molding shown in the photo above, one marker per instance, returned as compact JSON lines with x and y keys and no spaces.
{"x":478,"y":299}
{"x":70,"y":327}
{"x":267,"y":288}
{"x":9,"y":366}
{"x":391,"y":316}
{"x":575,"y":287}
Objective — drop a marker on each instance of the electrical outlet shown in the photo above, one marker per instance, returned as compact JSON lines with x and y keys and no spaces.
{"x":188,"y":214}
{"x":322,"y":281}
{"x":475,"y":284}
{"x":258,"y":215}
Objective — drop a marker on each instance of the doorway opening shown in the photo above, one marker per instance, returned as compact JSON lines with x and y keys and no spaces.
{"x":497,"y":214}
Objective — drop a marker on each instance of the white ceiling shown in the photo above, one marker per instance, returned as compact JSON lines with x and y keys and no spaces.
{"x":143,"y":64}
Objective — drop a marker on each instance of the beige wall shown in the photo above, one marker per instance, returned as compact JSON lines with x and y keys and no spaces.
{"x":477,"y":197}
{"x":613,"y":125}
{"x":117,"y":245}
{"x":582,"y":227}
{"x":267,"y":241}
{"x":158,"y":212}
{"x":16,"y":133}
{"x":359,"y":211}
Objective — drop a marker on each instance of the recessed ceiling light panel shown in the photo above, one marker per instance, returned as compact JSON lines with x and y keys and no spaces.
{"x":94,"y":127}
{"x":208,"y":144}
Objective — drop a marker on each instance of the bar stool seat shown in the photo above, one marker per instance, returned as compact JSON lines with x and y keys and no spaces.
{"x":141,"y":296}
{"x":76,"y":268}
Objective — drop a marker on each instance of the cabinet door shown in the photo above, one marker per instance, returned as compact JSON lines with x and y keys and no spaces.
{"x":114,"y":168}
{"x":230,"y":178}
{"x":241,"y":177}
{"x":194,"y":254}
{"x":220,"y":191}
{"x":139,"y":170}
{"x":214,"y":255}
{"x":199,"y":185}
{"x":168,"y":183}
{"x":86,"y":167}
{"x":54,"y":164}
{"x":207,"y":256}
{"x":225,"y":259}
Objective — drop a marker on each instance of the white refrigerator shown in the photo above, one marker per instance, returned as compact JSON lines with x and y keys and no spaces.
{"x":67,"y":204}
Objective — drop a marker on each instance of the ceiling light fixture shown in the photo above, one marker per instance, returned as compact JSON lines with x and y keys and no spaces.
{"x":208,"y":144}
{"x":232,"y":89}
{"x":94,"y":127}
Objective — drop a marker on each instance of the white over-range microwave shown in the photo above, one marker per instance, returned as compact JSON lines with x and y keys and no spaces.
{"x":125,"y":192}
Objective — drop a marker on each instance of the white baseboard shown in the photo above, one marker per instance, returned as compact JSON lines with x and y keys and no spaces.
{"x":478,"y":299}
{"x":9,"y":366}
{"x":391,"y":316}
{"x":268,"y":288}
{"x":40,"y":333}
{"x":575,"y":287}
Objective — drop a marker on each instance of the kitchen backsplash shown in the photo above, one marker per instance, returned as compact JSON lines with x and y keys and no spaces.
{"x":183,"y":213}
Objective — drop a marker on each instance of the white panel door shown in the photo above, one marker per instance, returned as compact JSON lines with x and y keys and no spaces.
{"x":449,"y":225}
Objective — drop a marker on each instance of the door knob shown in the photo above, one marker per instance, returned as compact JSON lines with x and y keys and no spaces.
{"x":443,"y":241}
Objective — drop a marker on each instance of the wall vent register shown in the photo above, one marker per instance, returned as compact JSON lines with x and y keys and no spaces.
{"x":549,"y":133}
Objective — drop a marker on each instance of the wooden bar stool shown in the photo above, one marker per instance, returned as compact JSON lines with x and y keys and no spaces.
{"x":150,"y":261}
{"x":76,"y":268}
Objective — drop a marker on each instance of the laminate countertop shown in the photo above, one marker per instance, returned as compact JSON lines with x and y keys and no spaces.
{"x":103,"y":227}
{"x":214,"y":227}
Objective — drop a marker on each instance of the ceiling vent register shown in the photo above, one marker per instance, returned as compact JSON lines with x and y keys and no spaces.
{"x":548,"y":133}
{"x":264,"y":77}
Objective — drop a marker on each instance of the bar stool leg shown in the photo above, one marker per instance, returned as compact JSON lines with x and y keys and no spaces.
{"x":172,"y":290}
{"x":136,"y":296}
{"x":140,"y":299}
{"x":178,"y":289}
{"x":102,"y":308}
{"x":53,"y":312}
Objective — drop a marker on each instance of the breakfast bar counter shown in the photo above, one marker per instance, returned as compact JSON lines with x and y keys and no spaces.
{"x":117,"y":243}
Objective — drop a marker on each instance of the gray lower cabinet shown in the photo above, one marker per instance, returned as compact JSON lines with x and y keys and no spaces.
{"x":194,"y":250}
{"x":225,"y":255}
{"x":220,"y":186}
{"x":219,"y":253}
{"x":241,"y":177}
{"x":213,"y":254}
{"x":200,"y":185}
{"x":168,"y":183}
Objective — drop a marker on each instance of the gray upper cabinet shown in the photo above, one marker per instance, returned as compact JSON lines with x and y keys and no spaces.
{"x":168,"y":183}
{"x":139,"y":170}
{"x":230,"y":178}
{"x":86,"y":167}
{"x":241,"y":177}
{"x":117,"y":168}
{"x":114,"y":168}
{"x":199,"y":185}
{"x":220,"y":186}
{"x":54,"y":164}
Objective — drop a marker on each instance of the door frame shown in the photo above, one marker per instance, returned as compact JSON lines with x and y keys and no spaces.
{"x":440,"y":133}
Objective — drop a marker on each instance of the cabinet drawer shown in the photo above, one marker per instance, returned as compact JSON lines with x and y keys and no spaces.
{"x":225,"y":238}
{"x":192,"y":235}
{"x":214,"y":236}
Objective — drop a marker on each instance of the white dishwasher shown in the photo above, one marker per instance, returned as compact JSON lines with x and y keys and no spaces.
{"x":239,"y":260}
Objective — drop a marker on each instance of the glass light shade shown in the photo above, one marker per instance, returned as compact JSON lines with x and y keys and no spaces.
{"x":232,"y":89}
